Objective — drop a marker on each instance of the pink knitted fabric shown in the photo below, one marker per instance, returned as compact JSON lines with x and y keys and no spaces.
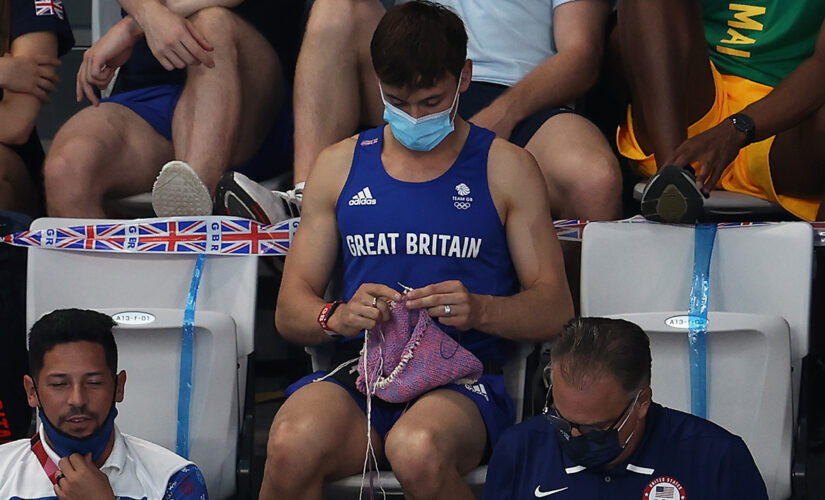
{"x":417,"y":357}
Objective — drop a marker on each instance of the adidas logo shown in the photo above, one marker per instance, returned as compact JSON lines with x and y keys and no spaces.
{"x":364,"y":197}
{"x":478,"y":389}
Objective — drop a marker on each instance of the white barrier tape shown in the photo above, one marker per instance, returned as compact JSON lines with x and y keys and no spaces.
{"x":234,"y":236}
{"x":175,"y":235}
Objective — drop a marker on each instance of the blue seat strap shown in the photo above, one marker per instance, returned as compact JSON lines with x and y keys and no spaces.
{"x":698,"y":318}
{"x":186,"y":355}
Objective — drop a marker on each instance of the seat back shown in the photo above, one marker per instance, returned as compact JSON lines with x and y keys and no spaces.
{"x":747,"y":357}
{"x":105,"y":14}
{"x":158,"y":285}
{"x":762,"y":269}
{"x":760,"y":280}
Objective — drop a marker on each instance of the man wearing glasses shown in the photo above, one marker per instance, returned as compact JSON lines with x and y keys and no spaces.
{"x":602,"y":436}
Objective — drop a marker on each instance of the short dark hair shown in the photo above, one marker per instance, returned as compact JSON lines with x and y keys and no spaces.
{"x":63,"y":326}
{"x":590,"y":347}
{"x":418,"y":43}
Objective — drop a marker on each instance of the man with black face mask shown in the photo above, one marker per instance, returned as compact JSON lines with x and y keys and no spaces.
{"x":602,"y":436}
{"x":78,"y":452}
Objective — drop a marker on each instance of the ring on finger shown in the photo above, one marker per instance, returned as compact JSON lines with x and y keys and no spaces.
{"x":375,"y":302}
{"x":58,"y":477}
{"x":447,"y":310}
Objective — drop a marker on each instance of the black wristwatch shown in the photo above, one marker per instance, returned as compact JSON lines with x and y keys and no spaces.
{"x":744,"y":124}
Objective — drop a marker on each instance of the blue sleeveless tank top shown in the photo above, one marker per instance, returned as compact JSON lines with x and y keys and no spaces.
{"x":420,"y":233}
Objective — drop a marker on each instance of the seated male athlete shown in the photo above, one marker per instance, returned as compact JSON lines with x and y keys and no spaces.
{"x":531,"y":60}
{"x":198,"y":122}
{"x":78,"y":453}
{"x":602,"y":436}
{"x":436,"y":204}
{"x":732,"y":89}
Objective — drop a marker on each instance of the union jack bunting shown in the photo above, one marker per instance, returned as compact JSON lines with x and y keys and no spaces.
{"x":178,"y":235}
{"x":235,"y":236}
{"x":48,"y":8}
{"x":570,"y":229}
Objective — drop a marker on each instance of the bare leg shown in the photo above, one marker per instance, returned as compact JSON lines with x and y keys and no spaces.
{"x":666,"y":66}
{"x":318,"y":434}
{"x":335,"y":86}
{"x":798,"y":160}
{"x":439,"y":439}
{"x":580,"y":169}
{"x":225,"y":112}
{"x":17,"y":191}
{"x":107,"y":151}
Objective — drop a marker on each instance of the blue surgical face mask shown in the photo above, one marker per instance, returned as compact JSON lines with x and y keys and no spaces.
{"x":66,"y":445}
{"x":420,"y":134}
{"x":593,"y":448}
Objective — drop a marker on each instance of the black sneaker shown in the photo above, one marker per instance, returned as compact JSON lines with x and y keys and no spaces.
{"x":239,"y":196}
{"x":672,"y":196}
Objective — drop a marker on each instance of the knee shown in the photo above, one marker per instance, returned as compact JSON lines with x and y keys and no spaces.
{"x":605,"y":176}
{"x":593,"y":171}
{"x":291,"y":460}
{"x":70,"y":167}
{"x":219,"y":25}
{"x":417,"y":460}
{"x":332,"y":19}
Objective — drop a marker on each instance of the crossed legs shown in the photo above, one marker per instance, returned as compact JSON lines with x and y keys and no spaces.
{"x":222,"y":117}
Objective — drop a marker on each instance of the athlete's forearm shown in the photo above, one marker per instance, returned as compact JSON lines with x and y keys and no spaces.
{"x":795,"y":98}
{"x":296,"y":320}
{"x":578,"y":29}
{"x":533,"y":315}
{"x":183,"y":8}
{"x":557,"y":81}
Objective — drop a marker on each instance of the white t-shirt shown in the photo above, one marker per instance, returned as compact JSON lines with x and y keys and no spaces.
{"x":136,"y":469}
{"x":507,"y":38}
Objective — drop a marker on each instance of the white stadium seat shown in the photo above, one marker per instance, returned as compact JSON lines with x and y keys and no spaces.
{"x":760,"y":279}
{"x":155,"y":287}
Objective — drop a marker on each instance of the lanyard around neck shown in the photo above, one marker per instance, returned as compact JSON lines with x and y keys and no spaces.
{"x":49,"y":467}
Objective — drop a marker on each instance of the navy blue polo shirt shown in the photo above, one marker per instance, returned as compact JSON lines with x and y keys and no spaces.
{"x":680,"y":457}
{"x":30,"y":16}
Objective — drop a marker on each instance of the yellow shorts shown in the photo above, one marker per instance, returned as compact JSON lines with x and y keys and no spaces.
{"x":750,"y":172}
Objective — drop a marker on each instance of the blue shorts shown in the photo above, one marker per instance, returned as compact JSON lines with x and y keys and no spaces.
{"x":488,"y":394}
{"x":156,"y":105}
{"x":480,"y":94}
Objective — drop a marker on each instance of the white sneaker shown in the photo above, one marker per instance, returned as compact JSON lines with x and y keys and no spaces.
{"x":240,"y":196}
{"x":293,"y":198}
{"x":178,"y":191}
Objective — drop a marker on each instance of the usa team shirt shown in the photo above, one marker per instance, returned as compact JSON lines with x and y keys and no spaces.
{"x":420,"y":233}
{"x":680,"y":457}
{"x":136,"y":469}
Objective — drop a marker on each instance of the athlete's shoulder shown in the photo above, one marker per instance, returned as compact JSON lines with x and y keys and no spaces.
{"x":514,"y":176}
{"x":336,"y":158}
{"x":13,"y":453}
{"x":21,"y":475}
{"x":682,"y":426}
{"x":507,"y":158}
{"x":156,"y":459}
